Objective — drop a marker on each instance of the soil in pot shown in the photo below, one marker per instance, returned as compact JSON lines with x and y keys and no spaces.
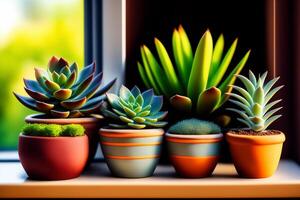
{"x":255,"y":154}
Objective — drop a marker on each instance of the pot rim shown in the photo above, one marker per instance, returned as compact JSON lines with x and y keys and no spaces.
{"x":35,"y":118}
{"x":131,"y":133}
{"x":255,"y":139}
{"x":207,"y":136}
{"x":21,"y":135}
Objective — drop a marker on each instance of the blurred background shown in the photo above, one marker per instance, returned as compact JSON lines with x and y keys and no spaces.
{"x":31,"y":31}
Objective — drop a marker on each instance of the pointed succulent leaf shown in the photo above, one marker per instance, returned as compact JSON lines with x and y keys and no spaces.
{"x":140,"y":100}
{"x":120,"y":113}
{"x":135,"y":91}
{"x":92,"y":87}
{"x":52,"y":63}
{"x":136,"y":125}
{"x":109,"y":114}
{"x":271,"y":113}
{"x":150,"y":76}
{"x":208,"y":100}
{"x":66,"y":71}
{"x":272,"y":93}
{"x":51,"y":86}
{"x":257,"y":110}
{"x":270,"y":84}
{"x":129,"y":112}
{"x":217,"y":55}
{"x":217,"y":77}
{"x":139,"y":120}
{"x":44,"y":107}
{"x":55,"y":76}
{"x":62,"y":79}
{"x":40,"y":76}
{"x":71,"y":80}
{"x":181,"y":103}
{"x":95,"y":108}
{"x":252,"y":78}
{"x":87,"y":71}
{"x":73,"y":104}
{"x":241,"y":105}
{"x":144,"y":113}
{"x":60,"y":114}
{"x":113,"y":100}
{"x":27,"y":102}
{"x":138,"y":109}
{"x":241,"y":113}
{"x":160,"y":115}
{"x":125,"y":94}
{"x":148,"y":96}
{"x":82,"y":86}
{"x":245,"y":122}
{"x":231,"y":79}
{"x":156,"y":104}
{"x":143,"y":75}
{"x":258,"y":96}
{"x":156,"y":124}
{"x":158,"y":73}
{"x":201,"y":67}
{"x":271,"y":120}
{"x":167,"y":65}
{"x":105,"y":88}
{"x":270,"y":105}
{"x":94,"y":101}
{"x":244,"y":93}
{"x":36,"y":95}
{"x":74,"y":68}
{"x":34,"y":86}
{"x":125,"y":119}
{"x":187,"y":50}
{"x":62,"y":94}
{"x":263,"y":77}
{"x":240,"y":98}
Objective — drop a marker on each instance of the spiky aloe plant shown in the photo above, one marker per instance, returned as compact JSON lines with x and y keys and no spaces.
{"x":63,"y":91}
{"x":255,"y":101}
{"x":134,"y":109}
{"x":197,"y":83}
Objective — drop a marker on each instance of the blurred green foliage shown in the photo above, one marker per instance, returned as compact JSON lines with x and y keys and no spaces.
{"x":46,"y":30}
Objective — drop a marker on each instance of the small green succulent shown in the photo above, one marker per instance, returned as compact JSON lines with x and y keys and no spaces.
{"x":194,"y":127}
{"x":62,"y":91}
{"x":134,"y":109}
{"x":53,"y":130}
{"x":195,"y":82}
{"x":255,"y":101}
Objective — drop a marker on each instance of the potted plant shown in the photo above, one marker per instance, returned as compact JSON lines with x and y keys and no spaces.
{"x":256,"y":150}
{"x":53,"y":152}
{"x":194,"y":147}
{"x":131,"y":144}
{"x":66,"y":95}
{"x":195,"y":83}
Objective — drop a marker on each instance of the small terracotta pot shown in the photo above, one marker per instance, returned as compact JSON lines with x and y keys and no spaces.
{"x":90,"y":124}
{"x":194,"y":156}
{"x":53,"y":158}
{"x":131,"y":153}
{"x":255,"y":156}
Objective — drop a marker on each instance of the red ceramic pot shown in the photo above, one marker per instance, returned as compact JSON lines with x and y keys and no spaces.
{"x":53,"y":158}
{"x":91,"y":125}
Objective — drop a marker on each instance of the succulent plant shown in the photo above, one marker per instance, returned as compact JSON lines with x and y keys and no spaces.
{"x":198,"y":83}
{"x":255,"y":101}
{"x":194,"y":127}
{"x":134,"y":109}
{"x":63,"y":91}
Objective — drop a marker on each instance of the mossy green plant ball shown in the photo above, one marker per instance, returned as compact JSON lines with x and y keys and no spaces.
{"x":53,"y":130}
{"x":194,"y":127}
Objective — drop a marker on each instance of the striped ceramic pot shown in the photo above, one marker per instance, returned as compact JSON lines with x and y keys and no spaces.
{"x":131,"y":153}
{"x":194,"y":156}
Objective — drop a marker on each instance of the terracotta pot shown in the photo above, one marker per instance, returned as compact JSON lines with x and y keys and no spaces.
{"x":53,"y":158}
{"x":194,"y":156}
{"x":90,"y":124}
{"x":131,"y":153}
{"x":255,"y":156}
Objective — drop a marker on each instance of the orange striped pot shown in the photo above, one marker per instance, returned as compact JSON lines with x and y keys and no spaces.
{"x":255,"y":156}
{"x":194,"y":156}
{"x":131,"y":153}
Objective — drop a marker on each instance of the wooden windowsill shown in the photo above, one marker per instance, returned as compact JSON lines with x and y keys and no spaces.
{"x":97,"y":182}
